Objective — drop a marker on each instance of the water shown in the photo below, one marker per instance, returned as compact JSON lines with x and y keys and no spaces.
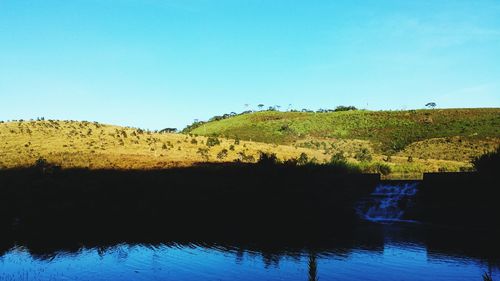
{"x":388,"y":202}
{"x":307,"y":249}
{"x":366,"y":252}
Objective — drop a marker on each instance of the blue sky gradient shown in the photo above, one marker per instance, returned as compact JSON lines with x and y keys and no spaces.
{"x":163,"y":63}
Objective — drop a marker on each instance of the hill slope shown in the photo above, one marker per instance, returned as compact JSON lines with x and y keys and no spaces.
{"x":388,"y":132}
{"x":72,"y":144}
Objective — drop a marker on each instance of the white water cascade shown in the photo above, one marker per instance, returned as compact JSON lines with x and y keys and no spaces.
{"x":388,"y":203}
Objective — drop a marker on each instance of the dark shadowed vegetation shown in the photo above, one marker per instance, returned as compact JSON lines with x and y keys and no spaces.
{"x":488,"y":163}
{"x":200,"y":195}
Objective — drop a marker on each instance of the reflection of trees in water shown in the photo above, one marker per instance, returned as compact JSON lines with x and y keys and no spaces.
{"x":239,"y":256}
{"x":271,"y":248}
{"x":487,"y":276}
{"x":270,"y":260}
{"x":273,"y":260}
{"x":313,"y":267}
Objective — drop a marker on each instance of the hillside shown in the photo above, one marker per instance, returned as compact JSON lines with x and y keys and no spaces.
{"x":72,"y":144}
{"x":75,"y":144}
{"x":403,"y":133}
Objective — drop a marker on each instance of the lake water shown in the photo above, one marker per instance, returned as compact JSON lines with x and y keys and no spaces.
{"x":366,"y":252}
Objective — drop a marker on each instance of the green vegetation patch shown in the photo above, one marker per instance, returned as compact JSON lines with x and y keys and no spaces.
{"x":389,"y":131}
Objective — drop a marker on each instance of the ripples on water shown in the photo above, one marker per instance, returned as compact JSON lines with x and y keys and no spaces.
{"x":401,"y":252}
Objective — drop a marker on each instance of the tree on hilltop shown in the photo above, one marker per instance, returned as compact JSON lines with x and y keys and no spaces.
{"x":431,"y":105}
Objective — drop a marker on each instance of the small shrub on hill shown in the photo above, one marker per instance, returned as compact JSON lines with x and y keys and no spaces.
{"x":377,"y":168}
{"x":338,"y":157}
{"x":342,"y":166}
{"x":203,"y":152}
{"x":242,"y":157}
{"x":363,"y":155}
{"x":222,"y":154}
{"x":384,"y":169}
{"x":212,"y":141}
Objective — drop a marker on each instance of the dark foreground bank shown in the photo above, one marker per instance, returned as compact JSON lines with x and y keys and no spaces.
{"x":266,"y":195}
{"x":460,"y":199}
{"x":208,"y":194}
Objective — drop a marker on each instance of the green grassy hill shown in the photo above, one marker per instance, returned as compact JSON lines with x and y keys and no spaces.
{"x":388,"y":132}
{"x":448,"y":140}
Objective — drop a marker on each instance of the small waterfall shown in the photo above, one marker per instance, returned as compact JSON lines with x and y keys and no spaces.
{"x":388,"y":203}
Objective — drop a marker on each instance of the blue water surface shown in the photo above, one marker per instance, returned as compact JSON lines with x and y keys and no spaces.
{"x":403,"y":254}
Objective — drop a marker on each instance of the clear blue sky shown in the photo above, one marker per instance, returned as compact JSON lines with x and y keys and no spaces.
{"x":163,"y":63}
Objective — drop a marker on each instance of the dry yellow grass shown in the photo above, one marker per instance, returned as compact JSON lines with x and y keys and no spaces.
{"x":429,"y":156}
{"x":73,"y":144}
{"x":452,"y":148}
{"x":401,"y":168}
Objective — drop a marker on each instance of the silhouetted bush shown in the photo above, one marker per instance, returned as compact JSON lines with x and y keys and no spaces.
{"x":303,"y":159}
{"x":290,"y":162}
{"x":487,"y":163}
{"x":45,"y":167}
{"x":267,"y":159}
{"x":41,"y":163}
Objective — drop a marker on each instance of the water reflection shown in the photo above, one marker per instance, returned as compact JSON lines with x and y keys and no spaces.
{"x":353,"y":252}
{"x":313,"y":268}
